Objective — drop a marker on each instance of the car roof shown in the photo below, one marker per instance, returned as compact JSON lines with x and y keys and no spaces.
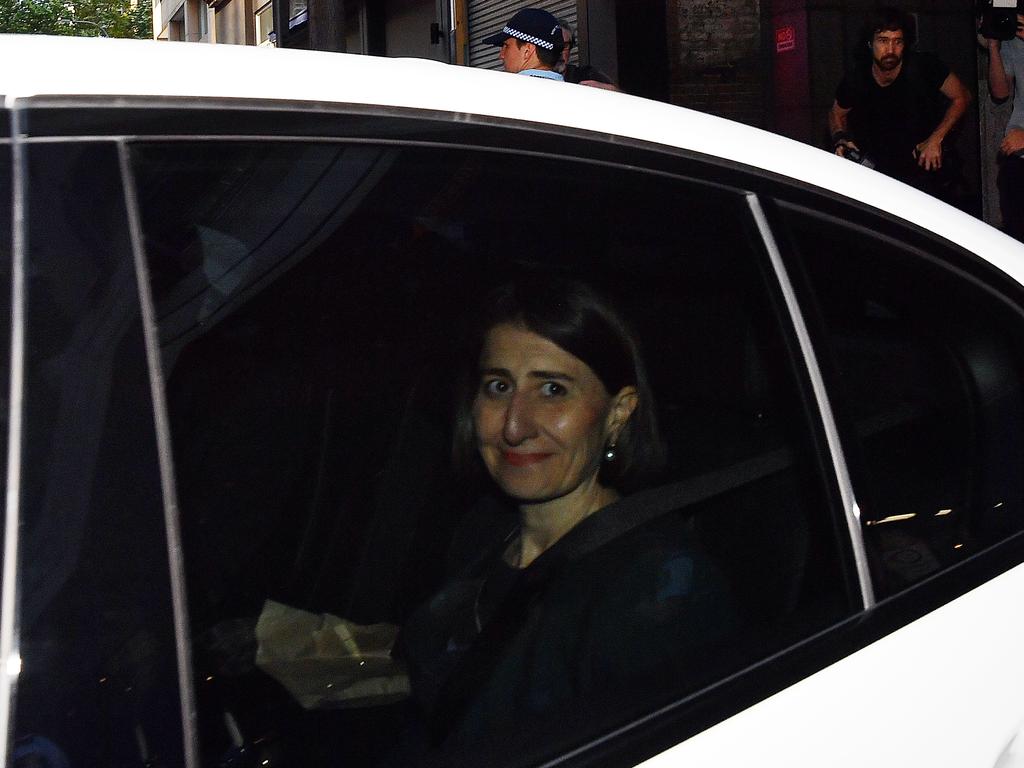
{"x":37,"y":66}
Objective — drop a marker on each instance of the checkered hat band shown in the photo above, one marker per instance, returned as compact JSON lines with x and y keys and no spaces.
{"x":528,"y":38}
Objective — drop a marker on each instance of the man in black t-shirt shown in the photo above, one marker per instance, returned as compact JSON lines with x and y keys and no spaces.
{"x":896,"y":110}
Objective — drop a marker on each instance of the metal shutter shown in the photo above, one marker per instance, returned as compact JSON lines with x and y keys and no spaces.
{"x":488,"y":16}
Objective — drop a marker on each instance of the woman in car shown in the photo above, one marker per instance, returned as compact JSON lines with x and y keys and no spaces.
{"x":577,"y":596}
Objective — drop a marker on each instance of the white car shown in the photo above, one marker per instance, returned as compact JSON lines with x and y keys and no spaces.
{"x":238,"y":279}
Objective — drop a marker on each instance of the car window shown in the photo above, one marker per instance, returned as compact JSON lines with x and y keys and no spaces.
{"x":98,"y":684}
{"x":926,"y":367}
{"x":312,"y":302}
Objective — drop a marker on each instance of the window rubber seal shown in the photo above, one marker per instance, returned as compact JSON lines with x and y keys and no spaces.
{"x":166,"y":462}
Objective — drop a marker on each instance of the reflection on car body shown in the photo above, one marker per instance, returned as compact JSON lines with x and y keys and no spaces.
{"x":233,"y":355}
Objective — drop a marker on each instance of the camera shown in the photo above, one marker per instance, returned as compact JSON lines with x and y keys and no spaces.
{"x":858,"y":157}
{"x":998,"y":19}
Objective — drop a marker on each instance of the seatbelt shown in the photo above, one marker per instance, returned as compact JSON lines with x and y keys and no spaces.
{"x":602,"y":527}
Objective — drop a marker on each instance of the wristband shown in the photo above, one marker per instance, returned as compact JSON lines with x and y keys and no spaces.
{"x":840,"y":136}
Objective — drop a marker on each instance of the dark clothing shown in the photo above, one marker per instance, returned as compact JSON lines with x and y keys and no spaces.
{"x":887,"y":123}
{"x":575,"y":73}
{"x":1011,"y":194}
{"x":633,"y":619}
{"x":1011,"y":168}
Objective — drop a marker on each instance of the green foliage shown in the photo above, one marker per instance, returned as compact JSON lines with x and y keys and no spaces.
{"x":88,"y":18}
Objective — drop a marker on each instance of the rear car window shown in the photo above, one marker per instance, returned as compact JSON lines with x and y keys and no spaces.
{"x":312,"y":300}
{"x":926,"y":371}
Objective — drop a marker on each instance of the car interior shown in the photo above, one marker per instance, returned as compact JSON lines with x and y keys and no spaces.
{"x":310,"y":360}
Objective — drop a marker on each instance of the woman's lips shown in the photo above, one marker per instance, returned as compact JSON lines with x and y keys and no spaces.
{"x":523,"y":459}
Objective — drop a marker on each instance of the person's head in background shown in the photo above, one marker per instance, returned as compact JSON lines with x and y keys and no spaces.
{"x":531,"y":40}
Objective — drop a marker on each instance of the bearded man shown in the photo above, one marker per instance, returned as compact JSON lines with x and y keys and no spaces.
{"x":897,"y":110}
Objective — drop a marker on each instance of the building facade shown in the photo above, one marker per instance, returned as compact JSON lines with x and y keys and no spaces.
{"x":769,"y":63}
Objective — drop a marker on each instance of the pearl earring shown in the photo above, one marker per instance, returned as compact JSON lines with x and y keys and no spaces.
{"x":609,"y":453}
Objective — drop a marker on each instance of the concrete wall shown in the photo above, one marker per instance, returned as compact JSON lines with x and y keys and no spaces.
{"x":235,"y":23}
{"x":163,"y":12}
{"x":407,"y":29}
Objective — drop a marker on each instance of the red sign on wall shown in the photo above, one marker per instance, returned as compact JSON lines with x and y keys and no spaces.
{"x":785,"y":39}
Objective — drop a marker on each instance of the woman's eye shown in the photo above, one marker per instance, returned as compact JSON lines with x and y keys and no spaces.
{"x":495,"y":386}
{"x":552,"y":389}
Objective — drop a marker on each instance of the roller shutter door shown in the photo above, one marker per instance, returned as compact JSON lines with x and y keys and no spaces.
{"x":488,"y":16}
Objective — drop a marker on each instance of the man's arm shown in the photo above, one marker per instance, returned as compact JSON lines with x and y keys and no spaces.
{"x":1000,"y":84}
{"x":929,"y":151}
{"x":838,"y":129}
{"x":1000,"y":88}
{"x":599,"y":84}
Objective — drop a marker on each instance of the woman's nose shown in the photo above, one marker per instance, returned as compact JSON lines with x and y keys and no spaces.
{"x":519,"y":423}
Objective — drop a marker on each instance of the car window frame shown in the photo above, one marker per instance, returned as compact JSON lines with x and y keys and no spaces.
{"x":10,"y":660}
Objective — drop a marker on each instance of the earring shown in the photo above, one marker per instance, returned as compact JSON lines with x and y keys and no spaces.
{"x":609,"y":453}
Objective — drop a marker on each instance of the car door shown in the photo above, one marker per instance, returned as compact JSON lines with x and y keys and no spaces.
{"x":308,"y":282}
{"x":920,"y":346}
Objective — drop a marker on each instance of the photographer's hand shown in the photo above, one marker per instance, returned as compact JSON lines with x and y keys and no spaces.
{"x":1013,"y":142}
{"x":843,"y":145}
{"x":929,"y":154}
{"x":838,"y":130}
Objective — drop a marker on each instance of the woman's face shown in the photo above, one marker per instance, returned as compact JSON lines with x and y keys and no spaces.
{"x":542,"y":417}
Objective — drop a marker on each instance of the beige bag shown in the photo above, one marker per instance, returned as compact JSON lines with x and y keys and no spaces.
{"x":325,"y":662}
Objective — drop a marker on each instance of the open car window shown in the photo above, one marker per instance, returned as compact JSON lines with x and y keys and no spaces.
{"x":312,"y":301}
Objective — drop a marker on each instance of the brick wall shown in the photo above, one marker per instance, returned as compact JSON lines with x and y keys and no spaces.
{"x":715,"y":58}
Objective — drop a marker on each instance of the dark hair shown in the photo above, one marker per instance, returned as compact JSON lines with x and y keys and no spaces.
{"x":889,"y":19}
{"x":566,"y":25}
{"x":547,"y":56}
{"x":585,"y":324}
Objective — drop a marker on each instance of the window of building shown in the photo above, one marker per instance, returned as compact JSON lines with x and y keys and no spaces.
{"x":313,"y":302}
{"x":926,"y":368}
{"x":265,"y":24}
{"x":176,"y":26}
{"x":296,"y":11}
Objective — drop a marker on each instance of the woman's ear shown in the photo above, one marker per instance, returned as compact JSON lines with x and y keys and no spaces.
{"x":622,"y":407}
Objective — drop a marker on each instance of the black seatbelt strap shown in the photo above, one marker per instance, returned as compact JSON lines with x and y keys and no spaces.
{"x":604,"y":526}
